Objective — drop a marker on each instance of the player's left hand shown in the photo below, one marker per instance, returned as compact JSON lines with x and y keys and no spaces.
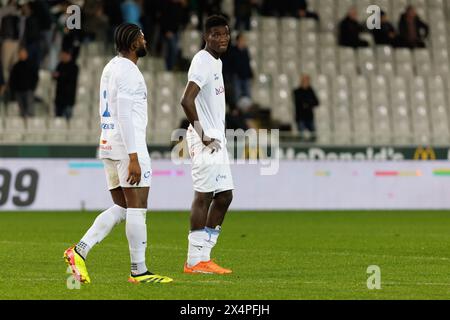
{"x":213,"y":144}
{"x":134,"y":172}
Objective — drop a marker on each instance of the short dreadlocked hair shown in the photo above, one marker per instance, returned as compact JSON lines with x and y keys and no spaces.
{"x":125,"y":35}
{"x":215,"y":21}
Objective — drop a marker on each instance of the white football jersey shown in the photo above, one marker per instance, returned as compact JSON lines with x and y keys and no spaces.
{"x":206,"y":72}
{"x":122,"y":78}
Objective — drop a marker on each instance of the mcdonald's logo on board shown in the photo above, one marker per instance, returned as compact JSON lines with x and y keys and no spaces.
{"x":424,"y":154}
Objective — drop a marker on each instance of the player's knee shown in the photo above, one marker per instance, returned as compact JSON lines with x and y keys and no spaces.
{"x":225,"y":198}
{"x":202,"y":201}
{"x":121,"y":204}
{"x":136,"y":203}
{"x":142,"y":204}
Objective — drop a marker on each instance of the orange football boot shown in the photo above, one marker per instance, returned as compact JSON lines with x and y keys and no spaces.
{"x":206,"y":267}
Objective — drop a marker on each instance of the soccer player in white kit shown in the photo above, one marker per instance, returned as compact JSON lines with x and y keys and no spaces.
{"x":123,"y":148}
{"x":204,"y":104}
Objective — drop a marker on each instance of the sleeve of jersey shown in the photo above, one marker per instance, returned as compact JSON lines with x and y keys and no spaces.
{"x":125,"y":97}
{"x":197,"y":73}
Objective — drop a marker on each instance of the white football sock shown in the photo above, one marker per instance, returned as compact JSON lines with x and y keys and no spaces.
{"x":195,"y":249}
{"x":136,"y":230}
{"x":209,"y":242}
{"x":101,"y":227}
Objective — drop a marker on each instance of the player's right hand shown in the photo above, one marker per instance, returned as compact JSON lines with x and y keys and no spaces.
{"x":212,"y":144}
{"x":134,"y":172}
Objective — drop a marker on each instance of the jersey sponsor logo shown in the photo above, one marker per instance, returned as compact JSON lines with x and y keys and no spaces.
{"x":220,"y":90}
{"x":107,"y":126}
{"x":147,"y":174}
{"x":105,"y":148}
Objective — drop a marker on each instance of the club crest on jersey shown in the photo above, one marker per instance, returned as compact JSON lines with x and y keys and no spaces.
{"x":220,"y":90}
{"x":106,"y":114}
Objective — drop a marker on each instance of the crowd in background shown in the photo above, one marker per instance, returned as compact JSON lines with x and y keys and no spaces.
{"x":411,"y":32}
{"x":34,"y":35}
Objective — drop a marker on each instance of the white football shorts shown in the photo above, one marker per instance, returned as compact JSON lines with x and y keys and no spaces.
{"x":210,"y":171}
{"x":117,"y":173}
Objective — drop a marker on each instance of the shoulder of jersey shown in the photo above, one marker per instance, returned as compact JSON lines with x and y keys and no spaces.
{"x":202,"y":54}
{"x":125,"y":66}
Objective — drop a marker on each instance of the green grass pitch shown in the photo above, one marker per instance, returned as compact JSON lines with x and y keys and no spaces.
{"x":274,"y":255}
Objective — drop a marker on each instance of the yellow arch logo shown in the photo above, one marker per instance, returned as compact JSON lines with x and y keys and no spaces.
{"x":424,"y":154}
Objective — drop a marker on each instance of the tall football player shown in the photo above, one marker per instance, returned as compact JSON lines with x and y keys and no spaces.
{"x":204,"y":104}
{"x":123,"y":148}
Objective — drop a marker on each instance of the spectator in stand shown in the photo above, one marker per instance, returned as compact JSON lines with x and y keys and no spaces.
{"x":114,"y":13}
{"x":150,"y":22}
{"x":131,"y":12}
{"x":413,"y":31}
{"x":173,"y":16}
{"x":208,"y":8}
{"x":2,"y":82}
{"x":243,"y":12}
{"x":66,"y":76}
{"x":31,"y":39}
{"x":386,"y":35}
{"x":41,"y":10}
{"x":277,"y":8}
{"x":95,"y":22}
{"x":305,"y":101}
{"x":71,"y":42}
{"x":242,"y":71}
{"x":10,"y":27}
{"x":235,"y":120}
{"x":301,"y":10}
{"x":22,"y":83}
{"x":350,"y":30}
{"x":248,"y":114}
{"x":63,"y":38}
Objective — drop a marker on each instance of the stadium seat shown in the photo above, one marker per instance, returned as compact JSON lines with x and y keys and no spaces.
{"x":57,"y":130}
{"x":36,"y":129}
{"x":262,"y":90}
{"x":402,"y":132}
{"x":269,"y":38}
{"x":78,"y":130}
{"x":307,"y":26}
{"x":191,"y":40}
{"x":269,"y":24}
{"x":366,"y":61}
{"x":14,"y":130}
{"x":381,"y":124}
{"x":384,"y":54}
{"x":362,"y":134}
{"x":327,"y":13}
{"x":327,"y":39}
{"x":342,"y":133}
{"x":289,"y":25}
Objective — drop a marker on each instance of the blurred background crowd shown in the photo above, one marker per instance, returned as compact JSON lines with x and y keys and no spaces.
{"x":34,"y":36}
